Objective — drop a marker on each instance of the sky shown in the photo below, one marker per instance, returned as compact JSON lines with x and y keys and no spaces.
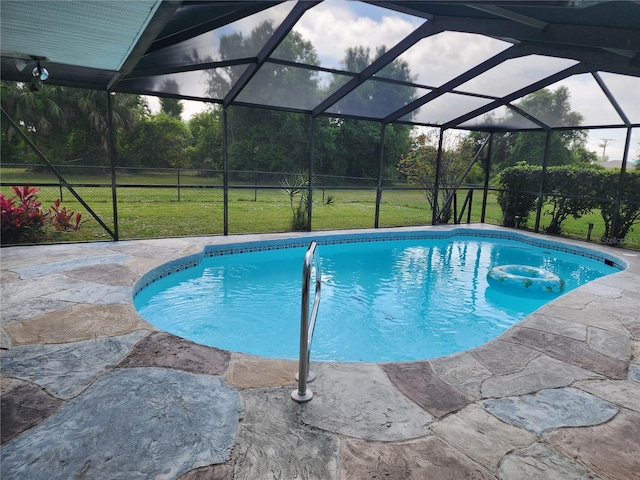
{"x":335,"y":25}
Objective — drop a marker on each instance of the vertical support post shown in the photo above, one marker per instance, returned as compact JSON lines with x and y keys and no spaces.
{"x":616,"y":207}
{"x":455,"y":207}
{"x":487,"y":173}
{"x":380,"y":176}
{"x":178,"y":184}
{"x":311,"y":160}
{"x":434,"y":214}
{"x":112,"y":161}
{"x":470,"y":197}
{"x":255,"y":187}
{"x":543,"y":175}
{"x":225,"y":172}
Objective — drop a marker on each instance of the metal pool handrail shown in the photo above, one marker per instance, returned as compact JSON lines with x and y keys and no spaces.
{"x":302,"y":393}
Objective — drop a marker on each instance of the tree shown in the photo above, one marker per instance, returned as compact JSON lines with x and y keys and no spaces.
{"x":65,"y":123}
{"x":261,"y":139}
{"x":358,"y":141}
{"x":419,"y":166}
{"x":158,"y":141}
{"x":206,"y":130}
{"x":566,"y":147}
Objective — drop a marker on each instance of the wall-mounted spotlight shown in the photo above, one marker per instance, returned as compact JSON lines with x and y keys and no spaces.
{"x":40,"y":74}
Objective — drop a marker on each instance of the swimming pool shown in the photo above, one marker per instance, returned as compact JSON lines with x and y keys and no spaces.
{"x":385,"y":297}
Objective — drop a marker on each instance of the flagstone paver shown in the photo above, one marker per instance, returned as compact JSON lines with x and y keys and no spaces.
{"x":67,"y":265}
{"x":611,"y":450}
{"x":625,"y":393}
{"x":358,"y":400}
{"x":481,"y":436}
{"x":602,"y":290}
{"x":131,"y":424}
{"x":5,"y":339}
{"x":417,"y":460}
{"x":273,"y":443}
{"x":26,"y":309}
{"x":541,"y":372}
{"x":7,"y":276}
{"x":540,"y":462}
{"x":211,"y":472}
{"x":550,"y":409}
{"x":592,"y":314}
{"x":502,"y":357}
{"x":160,"y":349}
{"x":420,"y":383}
{"x":19,"y":296}
{"x":463,"y":372}
{"x":608,"y":343}
{"x":247,"y":371}
{"x":67,"y":369}
{"x":108,"y":273}
{"x":568,"y":350}
{"x":24,"y":407}
{"x":77,"y":323}
{"x":94,"y":293}
{"x":545,"y":323}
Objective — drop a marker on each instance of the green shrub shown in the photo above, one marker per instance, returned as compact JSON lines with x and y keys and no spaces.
{"x":515,"y":197}
{"x":629,"y":211}
{"x":300,"y":211}
{"x":569,"y":191}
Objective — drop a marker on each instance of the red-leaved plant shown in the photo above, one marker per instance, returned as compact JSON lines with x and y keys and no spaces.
{"x":23,"y":220}
{"x":64,"y":220}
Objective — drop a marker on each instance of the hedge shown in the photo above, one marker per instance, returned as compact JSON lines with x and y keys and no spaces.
{"x":571,"y":192}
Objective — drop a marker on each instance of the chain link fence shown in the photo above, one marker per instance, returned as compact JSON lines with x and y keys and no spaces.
{"x":154,"y":203}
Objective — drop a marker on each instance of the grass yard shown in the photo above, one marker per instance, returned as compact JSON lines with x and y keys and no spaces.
{"x":196,"y":207}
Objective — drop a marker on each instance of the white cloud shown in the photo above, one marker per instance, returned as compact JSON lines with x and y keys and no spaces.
{"x":439,"y":58}
{"x":333,"y":27}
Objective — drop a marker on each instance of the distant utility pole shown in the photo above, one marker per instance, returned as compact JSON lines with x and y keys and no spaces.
{"x":603,"y":143}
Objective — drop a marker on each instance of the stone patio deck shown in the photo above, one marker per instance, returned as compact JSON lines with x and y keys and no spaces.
{"x":91,"y":390}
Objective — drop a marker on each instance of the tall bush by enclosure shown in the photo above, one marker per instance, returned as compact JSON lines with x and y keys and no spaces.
{"x":571,"y":192}
{"x":516,"y":197}
{"x":608,"y":189}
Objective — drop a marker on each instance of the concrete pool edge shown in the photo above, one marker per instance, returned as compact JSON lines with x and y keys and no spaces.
{"x":559,"y":349}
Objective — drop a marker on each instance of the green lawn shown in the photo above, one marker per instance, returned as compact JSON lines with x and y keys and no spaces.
{"x":196,"y":208}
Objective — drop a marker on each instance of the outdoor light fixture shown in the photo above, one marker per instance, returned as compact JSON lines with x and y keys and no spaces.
{"x":40,"y":74}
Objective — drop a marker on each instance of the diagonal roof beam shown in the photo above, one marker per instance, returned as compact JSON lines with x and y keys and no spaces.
{"x":206,"y":26}
{"x":152,"y":72}
{"x":278,"y":36}
{"x":400,"y":8}
{"x":528,"y":116}
{"x":488,"y":64}
{"x":424,"y":30}
{"x":162,"y":16}
{"x":611,"y":98}
{"x":509,"y":15}
{"x":562,"y":34}
{"x":585,"y":55}
{"x":567,"y":72}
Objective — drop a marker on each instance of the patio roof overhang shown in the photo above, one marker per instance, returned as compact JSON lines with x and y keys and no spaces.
{"x":172,"y":48}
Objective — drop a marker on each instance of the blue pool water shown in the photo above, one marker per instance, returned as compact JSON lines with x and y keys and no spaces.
{"x":380,"y":301}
